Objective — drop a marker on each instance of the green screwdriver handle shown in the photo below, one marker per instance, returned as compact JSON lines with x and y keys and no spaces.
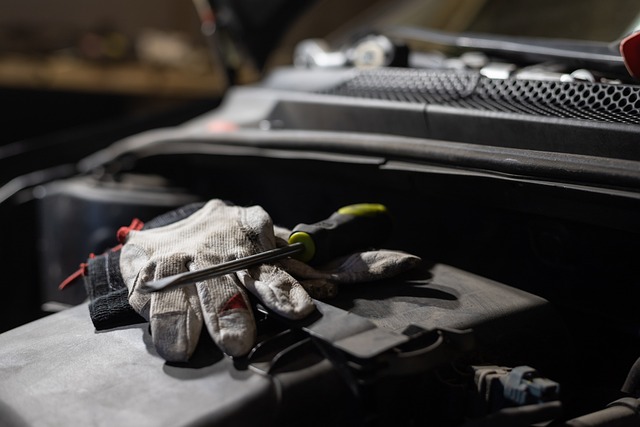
{"x":351,"y":228}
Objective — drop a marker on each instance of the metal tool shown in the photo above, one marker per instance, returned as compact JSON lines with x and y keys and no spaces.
{"x":350,"y":228}
{"x":361,"y":351}
{"x":188,"y":277}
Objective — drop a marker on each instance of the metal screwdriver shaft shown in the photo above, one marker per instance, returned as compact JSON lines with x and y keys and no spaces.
{"x":351,"y":227}
{"x":232,"y":266}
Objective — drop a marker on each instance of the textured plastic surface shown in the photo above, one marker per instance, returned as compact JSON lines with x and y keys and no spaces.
{"x":58,"y":371}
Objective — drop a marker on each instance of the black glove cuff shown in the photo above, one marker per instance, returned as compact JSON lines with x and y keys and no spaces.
{"x":108,"y":295}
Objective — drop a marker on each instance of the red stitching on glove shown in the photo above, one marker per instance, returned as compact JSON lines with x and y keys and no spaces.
{"x":234,"y":302}
{"x":123,"y":232}
{"x":121,"y":235}
{"x":80,"y":272}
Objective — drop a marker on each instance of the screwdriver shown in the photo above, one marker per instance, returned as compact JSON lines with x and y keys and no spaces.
{"x":348,"y":229}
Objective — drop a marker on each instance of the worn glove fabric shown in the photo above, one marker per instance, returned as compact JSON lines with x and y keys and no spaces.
{"x":358,"y":267}
{"x":214,"y":234}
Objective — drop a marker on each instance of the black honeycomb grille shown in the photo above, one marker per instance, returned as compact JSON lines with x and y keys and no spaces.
{"x":614,"y":103}
{"x":409,"y":86}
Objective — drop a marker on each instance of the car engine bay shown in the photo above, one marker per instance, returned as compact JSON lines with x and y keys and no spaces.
{"x":517,"y":182}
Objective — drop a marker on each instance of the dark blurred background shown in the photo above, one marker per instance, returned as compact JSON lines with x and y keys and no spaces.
{"x":73,"y":63}
{"x":78,"y":75}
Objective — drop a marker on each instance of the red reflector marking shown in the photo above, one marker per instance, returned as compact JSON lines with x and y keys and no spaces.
{"x":630,"y":51}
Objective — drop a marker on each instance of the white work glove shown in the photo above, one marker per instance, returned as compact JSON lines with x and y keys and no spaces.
{"x":214,"y":234}
{"x":358,"y":267}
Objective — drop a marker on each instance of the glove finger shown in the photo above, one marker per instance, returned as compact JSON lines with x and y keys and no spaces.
{"x":368,"y":266}
{"x":175,"y":315}
{"x":301,"y":270}
{"x":176,"y":322}
{"x":227,"y":314}
{"x":277,"y":290}
{"x":354,"y":268}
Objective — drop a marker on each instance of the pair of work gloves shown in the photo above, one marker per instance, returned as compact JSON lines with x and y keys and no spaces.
{"x":219,"y":232}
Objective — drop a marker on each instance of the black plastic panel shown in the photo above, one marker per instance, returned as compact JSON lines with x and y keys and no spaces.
{"x":577,"y":100}
{"x":580,"y":118}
